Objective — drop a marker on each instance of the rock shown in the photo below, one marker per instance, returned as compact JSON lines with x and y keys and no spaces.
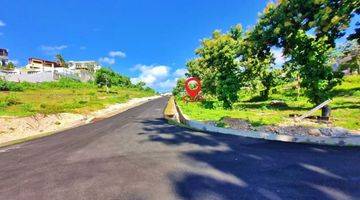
{"x":339,"y":131}
{"x":211,"y":123}
{"x":237,"y":123}
{"x":314,"y":132}
{"x":271,"y":129}
{"x":326,"y":131}
{"x":334,"y":132}
{"x":292,"y":130}
{"x":276,"y":103}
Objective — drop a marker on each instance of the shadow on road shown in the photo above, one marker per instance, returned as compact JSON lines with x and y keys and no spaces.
{"x":258,"y":169}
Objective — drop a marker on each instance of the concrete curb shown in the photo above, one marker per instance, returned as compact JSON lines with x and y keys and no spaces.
{"x":336,"y":141}
{"x":75,"y":124}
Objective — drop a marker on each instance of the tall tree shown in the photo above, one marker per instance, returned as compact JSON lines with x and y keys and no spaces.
{"x":180,"y":87}
{"x":318,"y":77}
{"x":219,"y":55}
{"x":197,"y":68}
{"x":60,"y":59}
{"x":290,"y":24}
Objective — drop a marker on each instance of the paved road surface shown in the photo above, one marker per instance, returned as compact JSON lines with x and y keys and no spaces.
{"x":136,"y":155}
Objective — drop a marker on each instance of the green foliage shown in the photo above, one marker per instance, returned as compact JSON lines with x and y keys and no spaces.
{"x":103,"y":77}
{"x":10,"y":86}
{"x":180,"y":87}
{"x":9,"y":66}
{"x":65,"y":95}
{"x":348,"y":56}
{"x":60,"y":59}
{"x":312,"y":57}
{"x":197,"y":68}
{"x":107,"y":77}
{"x":60,"y":84}
{"x":345,"y":106}
{"x":287,"y":24}
{"x":269,"y":79}
{"x":219,"y":54}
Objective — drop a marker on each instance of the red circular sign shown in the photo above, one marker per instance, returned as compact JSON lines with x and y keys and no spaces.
{"x":192,"y":86}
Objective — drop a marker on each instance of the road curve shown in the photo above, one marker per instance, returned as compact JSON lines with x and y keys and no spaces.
{"x":137,"y":155}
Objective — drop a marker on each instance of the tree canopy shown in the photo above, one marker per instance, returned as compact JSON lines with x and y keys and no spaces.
{"x":305,"y":31}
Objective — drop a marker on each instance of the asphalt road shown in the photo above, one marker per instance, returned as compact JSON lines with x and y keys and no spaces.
{"x":137,"y":155}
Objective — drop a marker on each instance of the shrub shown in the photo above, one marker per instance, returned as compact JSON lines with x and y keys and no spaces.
{"x":9,"y":101}
{"x":10,"y":86}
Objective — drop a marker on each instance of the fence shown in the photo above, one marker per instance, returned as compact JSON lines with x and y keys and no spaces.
{"x":46,"y":77}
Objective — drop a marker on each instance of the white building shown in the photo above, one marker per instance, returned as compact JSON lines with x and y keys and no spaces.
{"x":36,"y":65}
{"x":77,"y":66}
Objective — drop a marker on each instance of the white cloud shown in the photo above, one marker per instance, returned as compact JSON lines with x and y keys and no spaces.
{"x":2,"y":23}
{"x":52,"y":50}
{"x":168,"y":84}
{"x":107,"y":60}
{"x":279,"y":57}
{"x":159,"y":77}
{"x":151,"y":75}
{"x":180,"y":72}
{"x":110,"y":59}
{"x":119,"y":54}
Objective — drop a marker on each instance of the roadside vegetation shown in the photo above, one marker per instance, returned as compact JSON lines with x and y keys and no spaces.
{"x":241,"y":78}
{"x":345,"y":106}
{"x":67,"y":95}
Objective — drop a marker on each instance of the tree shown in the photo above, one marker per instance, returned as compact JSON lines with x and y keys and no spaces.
{"x":219,"y":55}
{"x":140,"y":85}
{"x":257,"y":66}
{"x":180,"y":87}
{"x":9,"y":66}
{"x":102,"y":78}
{"x":290,"y":23}
{"x":60,"y":59}
{"x":318,"y":77}
{"x":347,"y":56}
{"x":197,"y":68}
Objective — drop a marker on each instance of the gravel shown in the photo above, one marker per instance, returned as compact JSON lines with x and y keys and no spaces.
{"x":240,"y":124}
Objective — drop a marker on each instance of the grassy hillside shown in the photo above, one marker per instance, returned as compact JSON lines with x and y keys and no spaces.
{"x":345,"y":106}
{"x":62,"y":96}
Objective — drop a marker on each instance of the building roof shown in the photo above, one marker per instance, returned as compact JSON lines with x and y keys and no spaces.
{"x":45,"y":61}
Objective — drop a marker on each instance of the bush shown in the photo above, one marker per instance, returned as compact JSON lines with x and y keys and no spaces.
{"x":10,"y":86}
{"x":9,"y":101}
{"x":107,"y":77}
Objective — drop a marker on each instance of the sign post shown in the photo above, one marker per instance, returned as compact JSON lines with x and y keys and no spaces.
{"x":193,"y":89}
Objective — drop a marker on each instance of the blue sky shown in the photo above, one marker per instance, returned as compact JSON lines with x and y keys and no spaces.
{"x":145,"y":40}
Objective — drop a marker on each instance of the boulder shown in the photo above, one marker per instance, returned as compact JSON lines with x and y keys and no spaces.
{"x":237,"y":123}
{"x":277,"y":103}
{"x":339,"y":132}
{"x":314,"y":132}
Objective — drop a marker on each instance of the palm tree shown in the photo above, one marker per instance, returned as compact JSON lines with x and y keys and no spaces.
{"x":61,"y":60}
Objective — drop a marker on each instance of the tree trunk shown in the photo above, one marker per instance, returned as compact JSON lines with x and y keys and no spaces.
{"x":297,"y":86}
{"x":325,"y":111}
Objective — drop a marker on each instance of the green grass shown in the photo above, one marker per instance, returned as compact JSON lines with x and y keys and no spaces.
{"x":345,"y":106}
{"x":63,"y":96}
